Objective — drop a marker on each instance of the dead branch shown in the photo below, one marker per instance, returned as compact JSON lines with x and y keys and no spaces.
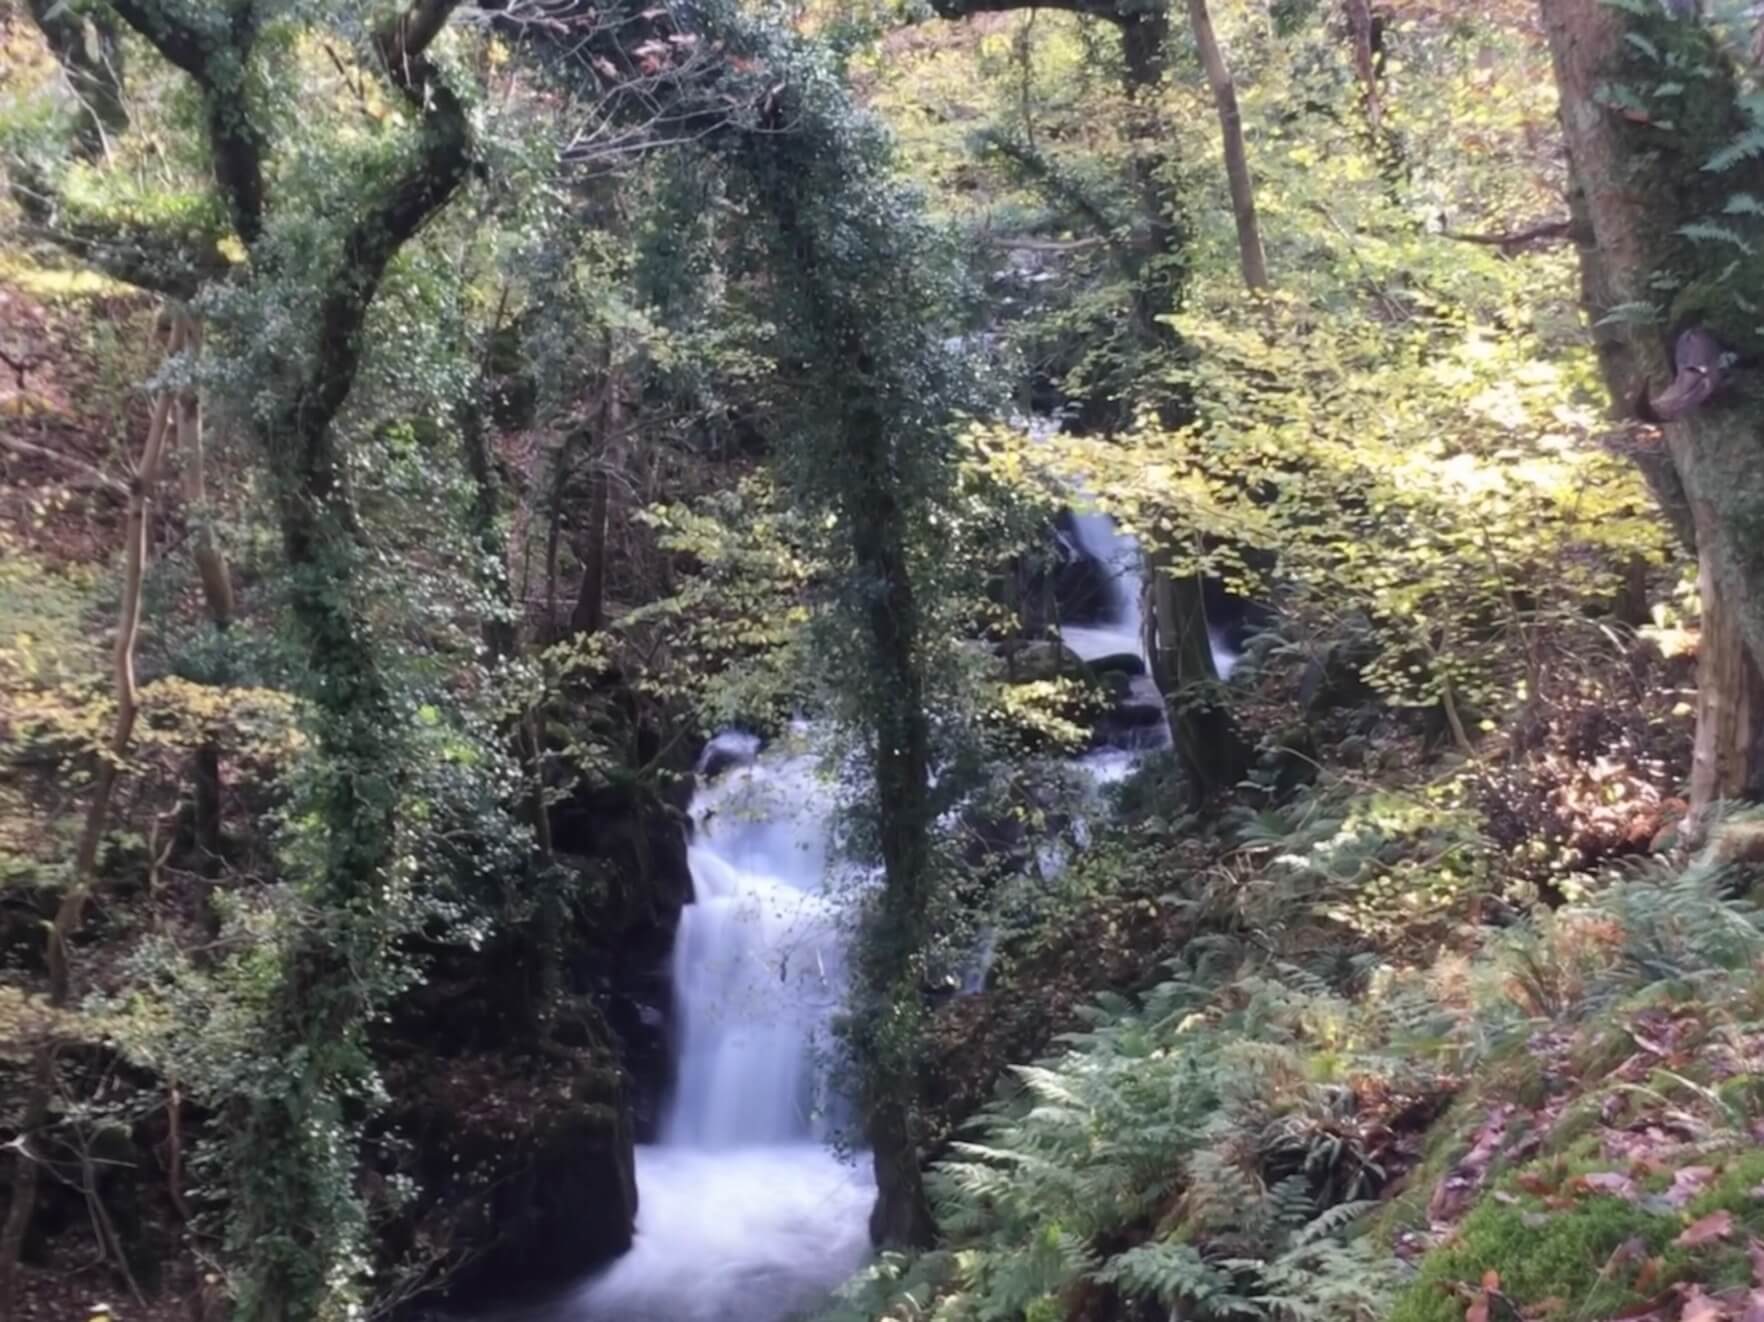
{"x":89,"y":471}
{"x":1516,"y":241}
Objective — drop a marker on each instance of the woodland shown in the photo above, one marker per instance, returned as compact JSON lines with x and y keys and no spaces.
{"x":1238,"y":523}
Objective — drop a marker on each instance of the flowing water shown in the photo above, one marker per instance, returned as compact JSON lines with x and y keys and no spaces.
{"x":745,"y":1213}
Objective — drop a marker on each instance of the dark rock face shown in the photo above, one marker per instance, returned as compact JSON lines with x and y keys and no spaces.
{"x":1061,"y":584}
{"x":628,"y":845}
{"x":526,"y":1167}
{"x":517,"y":1112}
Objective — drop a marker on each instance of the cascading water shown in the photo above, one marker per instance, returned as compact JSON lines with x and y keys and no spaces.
{"x":1097,"y":537}
{"x":745,"y":1214}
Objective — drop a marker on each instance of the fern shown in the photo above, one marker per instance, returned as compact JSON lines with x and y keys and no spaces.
{"x":1748,"y":146}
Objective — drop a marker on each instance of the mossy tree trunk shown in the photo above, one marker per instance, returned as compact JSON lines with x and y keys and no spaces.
{"x":294,"y":1212}
{"x":1637,"y":184}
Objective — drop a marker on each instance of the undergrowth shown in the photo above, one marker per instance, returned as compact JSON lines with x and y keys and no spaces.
{"x":1210,"y":1149}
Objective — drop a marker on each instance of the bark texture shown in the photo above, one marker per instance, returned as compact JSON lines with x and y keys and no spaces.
{"x":1636,"y":185}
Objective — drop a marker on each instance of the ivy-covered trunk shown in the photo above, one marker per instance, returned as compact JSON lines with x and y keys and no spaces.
{"x":1650,"y":105}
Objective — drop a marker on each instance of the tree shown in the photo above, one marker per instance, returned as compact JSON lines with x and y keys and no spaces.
{"x":295,"y":1215}
{"x":1654,"y":194}
{"x":1243,"y":193}
{"x":140,"y":491}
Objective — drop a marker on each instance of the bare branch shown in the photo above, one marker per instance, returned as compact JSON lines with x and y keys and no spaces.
{"x":1546,"y":231}
{"x":96,"y":474}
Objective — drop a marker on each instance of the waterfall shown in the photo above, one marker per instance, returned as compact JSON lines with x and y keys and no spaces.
{"x":1097,"y":537}
{"x":745,"y":1214}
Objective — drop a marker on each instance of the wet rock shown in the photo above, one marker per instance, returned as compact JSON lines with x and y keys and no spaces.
{"x":1078,"y":589}
{"x":1118,"y":663}
{"x":627,"y":846}
{"x":732,"y":749}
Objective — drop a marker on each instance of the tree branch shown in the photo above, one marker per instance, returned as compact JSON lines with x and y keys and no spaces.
{"x":214,"y":49}
{"x":1546,"y":231}
{"x":93,"y":70}
{"x":148,"y":258}
{"x":443,"y":161}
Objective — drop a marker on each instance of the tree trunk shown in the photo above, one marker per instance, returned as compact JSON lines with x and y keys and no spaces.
{"x":72,"y":908}
{"x":1359,"y":17}
{"x":1635,"y":185}
{"x":1208,"y":744}
{"x":217,"y":594}
{"x":590,"y":609}
{"x":902,"y":1217}
{"x":1237,"y":174}
{"x":1730,"y":701}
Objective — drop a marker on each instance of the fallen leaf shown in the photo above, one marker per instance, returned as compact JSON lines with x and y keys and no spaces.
{"x":1614,"y":1183}
{"x":1687,"y":1183}
{"x":1479,"y":1306}
{"x":1458,"y":1189}
{"x":1537,"y":1182}
{"x":1647,"y":1043}
{"x":1755,"y":1251}
{"x":1717,"y":1225}
{"x":1754,"y":1309}
{"x":1699,"y":1307}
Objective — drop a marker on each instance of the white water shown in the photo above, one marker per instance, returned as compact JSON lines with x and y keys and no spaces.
{"x":1099,"y":538}
{"x":744,"y":1213}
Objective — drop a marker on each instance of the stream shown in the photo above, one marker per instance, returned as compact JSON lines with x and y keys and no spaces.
{"x":746,"y":1213}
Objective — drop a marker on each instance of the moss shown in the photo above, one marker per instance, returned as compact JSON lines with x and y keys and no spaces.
{"x":1734,"y":1192}
{"x":1573,"y":1127}
{"x":1542,"y":1252}
{"x":1539,"y":1255}
{"x":1743,"y":1094}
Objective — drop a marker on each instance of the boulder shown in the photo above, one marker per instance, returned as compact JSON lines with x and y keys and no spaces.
{"x":1118,"y":663}
{"x":1042,"y":659}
